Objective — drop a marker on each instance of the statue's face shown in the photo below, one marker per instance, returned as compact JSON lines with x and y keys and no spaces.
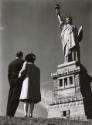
{"x":68,"y":20}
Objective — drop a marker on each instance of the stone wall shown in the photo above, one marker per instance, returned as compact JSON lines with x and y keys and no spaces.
{"x":68,"y":109}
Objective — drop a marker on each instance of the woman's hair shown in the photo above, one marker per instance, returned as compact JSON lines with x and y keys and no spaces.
{"x":30,"y":57}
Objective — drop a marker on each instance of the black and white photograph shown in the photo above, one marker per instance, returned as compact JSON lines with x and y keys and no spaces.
{"x":46,"y":62}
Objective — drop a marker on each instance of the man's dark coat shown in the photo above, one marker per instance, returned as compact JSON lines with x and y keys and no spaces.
{"x":15,"y":86}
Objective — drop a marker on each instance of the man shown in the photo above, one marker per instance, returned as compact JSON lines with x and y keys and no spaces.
{"x":70,"y":37}
{"x":15,"y":84}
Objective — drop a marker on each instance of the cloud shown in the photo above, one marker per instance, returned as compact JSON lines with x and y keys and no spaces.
{"x":46,"y":96}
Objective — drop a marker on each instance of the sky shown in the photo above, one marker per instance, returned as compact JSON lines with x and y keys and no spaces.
{"x":32,"y":26}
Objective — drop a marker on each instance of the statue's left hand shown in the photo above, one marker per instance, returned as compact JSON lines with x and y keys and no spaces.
{"x":80,"y":33}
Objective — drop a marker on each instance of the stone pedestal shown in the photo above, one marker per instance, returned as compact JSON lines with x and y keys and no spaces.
{"x":67,"y":98}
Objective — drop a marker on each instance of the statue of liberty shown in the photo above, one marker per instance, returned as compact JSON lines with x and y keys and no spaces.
{"x":70,"y":37}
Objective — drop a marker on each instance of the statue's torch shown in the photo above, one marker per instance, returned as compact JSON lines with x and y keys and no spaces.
{"x":57,"y":8}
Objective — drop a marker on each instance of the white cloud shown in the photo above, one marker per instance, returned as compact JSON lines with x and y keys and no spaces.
{"x":46,"y":96}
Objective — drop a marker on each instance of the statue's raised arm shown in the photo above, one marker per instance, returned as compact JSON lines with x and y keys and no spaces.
{"x":57,"y":8}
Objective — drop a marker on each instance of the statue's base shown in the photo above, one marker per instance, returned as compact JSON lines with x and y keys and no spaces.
{"x":69,"y":93}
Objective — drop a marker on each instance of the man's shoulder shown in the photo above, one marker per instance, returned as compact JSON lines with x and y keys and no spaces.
{"x":21,"y":60}
{"x":15,"y":61}
{"x":12,"y":62}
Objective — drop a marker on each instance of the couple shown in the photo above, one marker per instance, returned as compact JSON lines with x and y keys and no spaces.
{"x":24,"y":81}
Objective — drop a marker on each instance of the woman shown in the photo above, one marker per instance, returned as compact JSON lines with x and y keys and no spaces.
{"x":30,"y":93}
